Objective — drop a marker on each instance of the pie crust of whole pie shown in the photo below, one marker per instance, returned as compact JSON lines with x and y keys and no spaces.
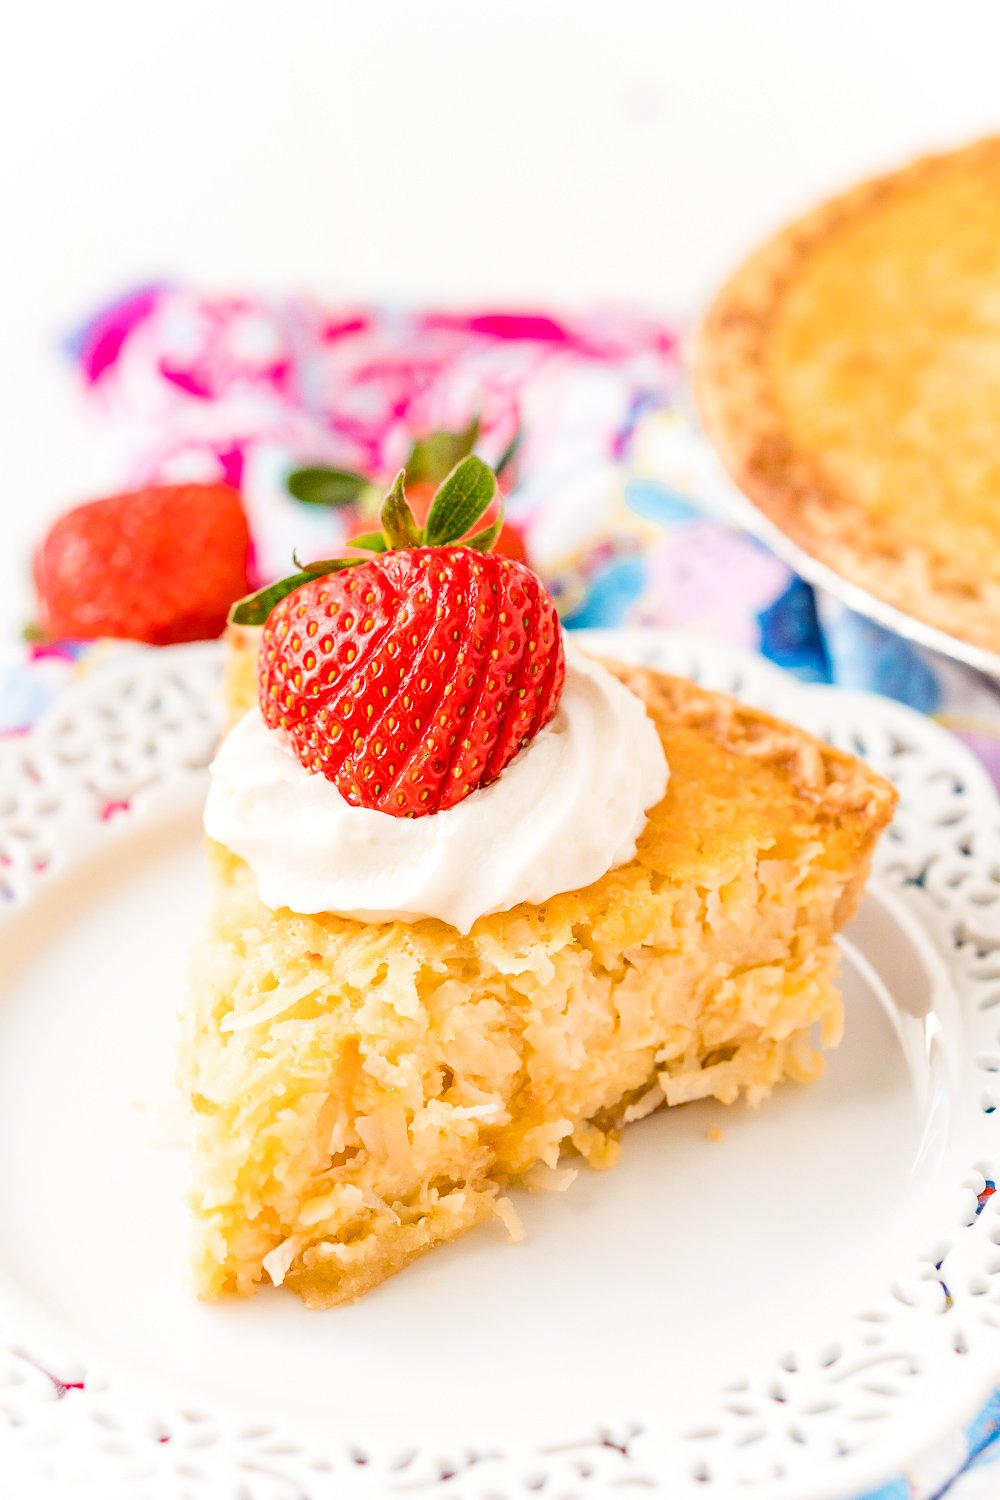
{"x":849,"y":375}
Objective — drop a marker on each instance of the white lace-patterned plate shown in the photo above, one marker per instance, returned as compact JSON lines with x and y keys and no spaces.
{"x":796,"y":1310}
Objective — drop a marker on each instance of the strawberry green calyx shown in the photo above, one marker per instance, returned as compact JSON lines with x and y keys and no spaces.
{"x":462,"y":499}
{"x":320,"y":485}
{"x":432,"y":458}
{"x":486,"y":540}
{"x":509,"y":454}
{"x":255,"y":608}
{"x":465,"y":495}
{"x":399,"y":524}
{"x":369,"y":541}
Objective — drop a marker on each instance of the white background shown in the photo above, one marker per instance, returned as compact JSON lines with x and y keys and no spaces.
{"x":526,"y":151}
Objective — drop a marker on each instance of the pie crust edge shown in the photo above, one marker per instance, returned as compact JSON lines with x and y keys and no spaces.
{"x":786,"y":483}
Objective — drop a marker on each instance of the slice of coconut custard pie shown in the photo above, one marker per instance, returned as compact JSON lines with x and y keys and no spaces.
{"x":478,"y":902}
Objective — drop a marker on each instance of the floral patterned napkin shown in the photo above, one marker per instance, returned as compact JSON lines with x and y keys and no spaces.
{"x":613,"y":493}
{"x":611,"y":496}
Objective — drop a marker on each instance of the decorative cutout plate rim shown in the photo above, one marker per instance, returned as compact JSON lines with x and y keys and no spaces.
{"x":136,"y":730}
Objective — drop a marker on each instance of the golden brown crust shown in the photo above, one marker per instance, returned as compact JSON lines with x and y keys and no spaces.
{"x":803,"y":489}
{"x":818,"y":772}
{"x":239,"y":682}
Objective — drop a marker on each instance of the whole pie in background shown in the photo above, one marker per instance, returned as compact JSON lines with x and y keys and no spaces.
{"x":849,"y":374}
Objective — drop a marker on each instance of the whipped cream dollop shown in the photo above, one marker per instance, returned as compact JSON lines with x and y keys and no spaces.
{"x":567,"y":809}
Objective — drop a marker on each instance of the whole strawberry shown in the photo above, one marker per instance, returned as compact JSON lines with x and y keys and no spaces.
{"x":160,"y":565}
{"x":412,"y":678}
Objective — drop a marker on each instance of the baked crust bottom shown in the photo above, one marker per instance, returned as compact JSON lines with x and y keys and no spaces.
{"x":364,"y":1092}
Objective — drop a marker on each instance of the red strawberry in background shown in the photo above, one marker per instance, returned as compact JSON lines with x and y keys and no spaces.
{"x":160,"y":565}
{"x":431,"y":459}
{"x":412,"y":678}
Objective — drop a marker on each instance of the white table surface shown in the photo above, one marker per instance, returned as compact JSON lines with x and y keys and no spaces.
{"x":538,"y":150}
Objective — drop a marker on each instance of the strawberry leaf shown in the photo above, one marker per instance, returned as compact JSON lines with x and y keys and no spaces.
{"x":465,"y":495}
{"x":329,"y":565}
{"x":398,"y":521}
{"x":433,"y":457}
{"x":485,"y":540}
{"x":371,"y":541}
{"x":509,"y":454}
{"x":323,"y":486}
{"x":255,"y":608}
